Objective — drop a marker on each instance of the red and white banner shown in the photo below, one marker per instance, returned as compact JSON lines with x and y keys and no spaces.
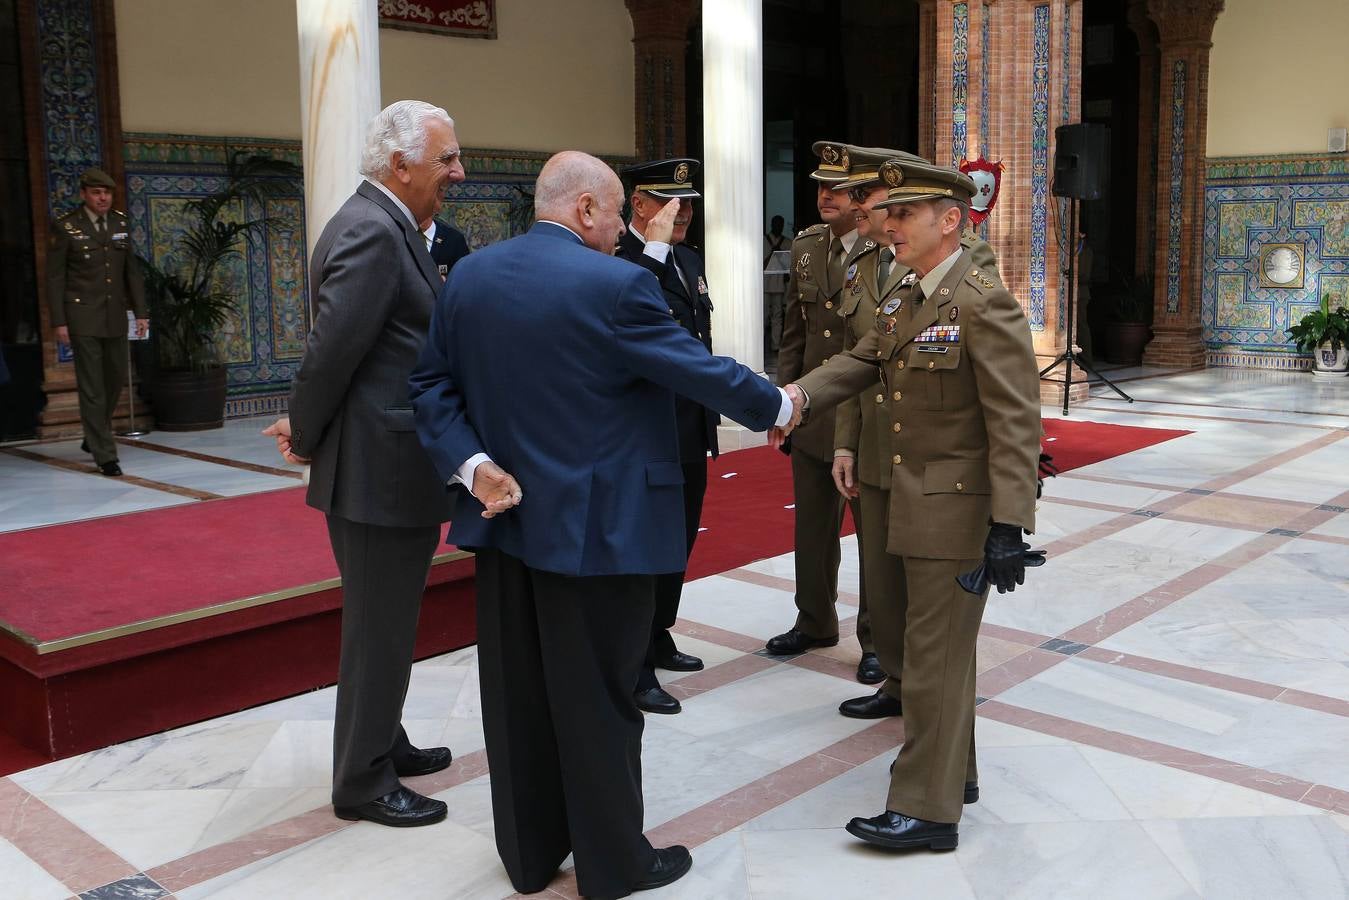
{"x":463,"y":18}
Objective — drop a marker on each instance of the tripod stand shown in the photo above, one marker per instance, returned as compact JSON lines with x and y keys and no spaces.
{"x":1068,"y":357}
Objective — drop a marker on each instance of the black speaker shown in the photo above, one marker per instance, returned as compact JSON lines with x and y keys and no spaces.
{"x":1081,"y":160}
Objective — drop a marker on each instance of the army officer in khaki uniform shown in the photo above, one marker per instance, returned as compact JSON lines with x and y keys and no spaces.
{"x":953,"y":352}
{"x":864,"y":426}
{"x":823,"y":257}
{"x":92,"y":280}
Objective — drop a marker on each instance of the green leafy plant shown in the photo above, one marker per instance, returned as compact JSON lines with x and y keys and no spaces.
{"x":1320,"y":326}
{"x":187,"y":303}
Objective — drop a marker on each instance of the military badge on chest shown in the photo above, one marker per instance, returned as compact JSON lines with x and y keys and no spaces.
{"x":887,"y":324}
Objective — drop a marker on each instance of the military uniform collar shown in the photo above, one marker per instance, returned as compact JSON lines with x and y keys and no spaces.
{"x":930,"y":282}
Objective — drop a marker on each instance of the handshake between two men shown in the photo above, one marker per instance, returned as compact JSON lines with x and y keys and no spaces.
{"x":498,"y":491}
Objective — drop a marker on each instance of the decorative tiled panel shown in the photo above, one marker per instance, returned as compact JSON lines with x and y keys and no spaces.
{"x":1066,"y":76}
{"x":264,"y":339}
{"x":960,"y":80}
{"x":1039,"y":225}
{"x":1176,"y":193}
{"x":69,"y":114}
{"x":1251,"y":202}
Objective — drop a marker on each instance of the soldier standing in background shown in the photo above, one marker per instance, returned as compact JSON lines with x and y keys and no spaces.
{"x":93,"y":278}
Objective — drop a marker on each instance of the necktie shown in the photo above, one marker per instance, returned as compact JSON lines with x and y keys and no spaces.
{"x":835,"y":266}
{"x":883,"y":268}
{"x":101,"y":226}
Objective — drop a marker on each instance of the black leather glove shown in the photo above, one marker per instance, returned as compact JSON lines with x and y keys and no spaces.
{"x":1004,"y":562}
{"x":1046,"y":469}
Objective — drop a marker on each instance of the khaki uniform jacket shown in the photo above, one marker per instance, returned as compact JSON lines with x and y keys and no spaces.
{"x":869,"y":413}
{"x":812,"y":328}
{"x":93,"y":280}
{"x":964,"y":412}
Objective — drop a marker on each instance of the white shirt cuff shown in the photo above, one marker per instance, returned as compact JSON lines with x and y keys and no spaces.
{"x":845,"y":452}
{"x":785,"y":412}
{"x":657,"y":250}
{"x":465,"y":474}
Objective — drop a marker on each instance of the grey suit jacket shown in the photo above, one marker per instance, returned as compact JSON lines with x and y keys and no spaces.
{"x":374,"y":286}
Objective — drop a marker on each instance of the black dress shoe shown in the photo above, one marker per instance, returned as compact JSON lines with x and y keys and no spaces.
{"x":877,"y":706}
{"x":84,"y":446}
{"x":869,"y":670}
{"x":971,"y":788}
{"x":111,"y":469}
{"x":674,"y":661}
{"x":656,"y":700}
{"x":402,"y":808}
{"x":897,"y":831}
{"x":672,"y":864}
{"x":792,"y":641}
{"x":423,"y":762}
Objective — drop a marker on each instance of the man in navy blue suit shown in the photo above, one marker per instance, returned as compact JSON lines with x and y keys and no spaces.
{"x":557,"y":364}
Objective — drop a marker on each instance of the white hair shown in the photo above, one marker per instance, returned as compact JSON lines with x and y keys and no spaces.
{"x":399,"y":127}
{"x":566,"y":176}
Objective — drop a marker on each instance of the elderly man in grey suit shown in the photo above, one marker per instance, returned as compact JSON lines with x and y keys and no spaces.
{"x":374,"y":286}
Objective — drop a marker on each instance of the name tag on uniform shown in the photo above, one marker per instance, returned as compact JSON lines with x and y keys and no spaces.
{"x":922,"y":349}
{"x":119,"y":236}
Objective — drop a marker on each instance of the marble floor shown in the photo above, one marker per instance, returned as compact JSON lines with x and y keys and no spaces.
{"x":1164,"y":707}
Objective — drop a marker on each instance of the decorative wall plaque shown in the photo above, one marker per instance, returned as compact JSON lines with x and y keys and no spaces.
{"x":1282,"y":266}
{"x":462,"y":18}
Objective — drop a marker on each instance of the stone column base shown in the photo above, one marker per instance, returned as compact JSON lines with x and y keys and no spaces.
{"x":1176,"y":347}
{"x":1051,"y":391}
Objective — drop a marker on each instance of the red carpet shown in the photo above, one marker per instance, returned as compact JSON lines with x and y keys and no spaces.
{"x":66,"y":580}
{"x":747,"y":514}
{"x":1077,"y":444}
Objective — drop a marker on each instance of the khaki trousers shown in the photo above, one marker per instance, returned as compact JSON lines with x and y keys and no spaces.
{"x":100,"y":374}
{"x":887,"y":593}
{"x":819,"y":515}
{"x":941,"y":627}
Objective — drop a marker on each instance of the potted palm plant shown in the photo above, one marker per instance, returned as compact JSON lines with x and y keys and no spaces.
{"x":1127,"y":331}
{"x":188,"y":302}
{"x":1324,"y":332}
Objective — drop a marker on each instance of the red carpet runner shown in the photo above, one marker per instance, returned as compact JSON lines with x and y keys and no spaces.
{"x":72,"y":579}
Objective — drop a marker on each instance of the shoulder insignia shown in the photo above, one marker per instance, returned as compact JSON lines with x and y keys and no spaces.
{"x":978,"y":277}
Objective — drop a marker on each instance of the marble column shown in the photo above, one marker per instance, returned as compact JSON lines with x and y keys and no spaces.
{"x":339,"y":94}
{"x":1185,"y":33}
{"x":733,"y":175}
